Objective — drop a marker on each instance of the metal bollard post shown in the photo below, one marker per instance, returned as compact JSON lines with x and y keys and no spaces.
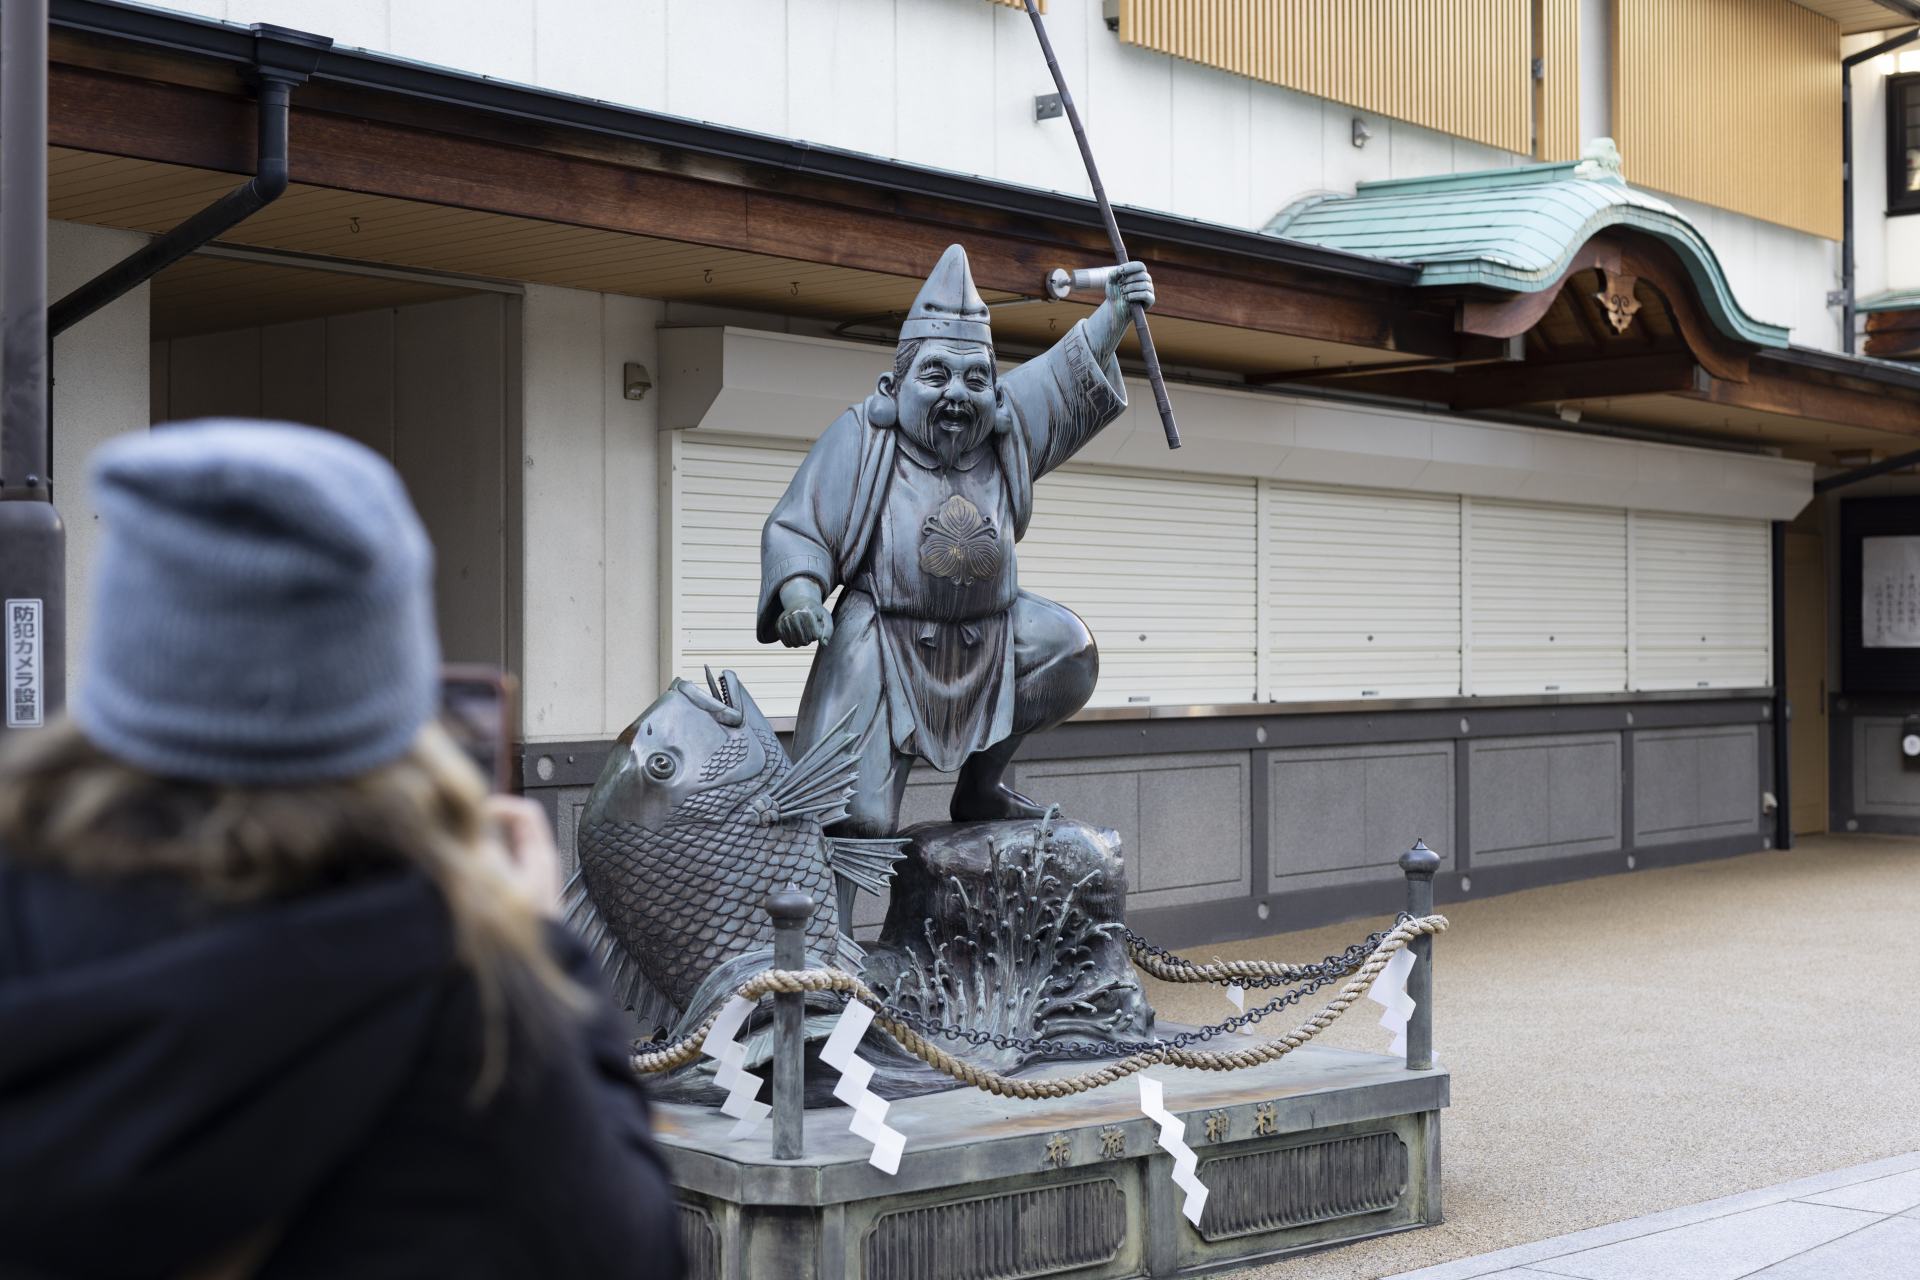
{"x":1420,"y":863}
{"x":790,"y":910}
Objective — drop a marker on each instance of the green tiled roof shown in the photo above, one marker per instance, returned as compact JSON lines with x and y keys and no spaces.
{"x":1514,"y":229}
{"x":1892,"y":300}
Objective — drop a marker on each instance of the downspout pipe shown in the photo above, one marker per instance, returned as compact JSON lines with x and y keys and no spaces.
{"x":1841,"y":479}
{"x":1847,"y":64}
{"x":1782,"y":708}
{"x":283,"y":58}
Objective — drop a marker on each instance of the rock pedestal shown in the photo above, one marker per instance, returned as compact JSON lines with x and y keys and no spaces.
{"x":1013,"y":928}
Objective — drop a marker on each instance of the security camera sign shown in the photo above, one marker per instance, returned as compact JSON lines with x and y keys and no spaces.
{"x":26,"y":672}
{"x":1890,"y":593}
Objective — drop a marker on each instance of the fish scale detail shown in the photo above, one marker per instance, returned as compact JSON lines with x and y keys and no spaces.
{"x":685,"y":900}
{"x":685,"y":891}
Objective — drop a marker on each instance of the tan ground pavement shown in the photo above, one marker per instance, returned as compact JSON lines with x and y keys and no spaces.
{"x":1643,"y":1041}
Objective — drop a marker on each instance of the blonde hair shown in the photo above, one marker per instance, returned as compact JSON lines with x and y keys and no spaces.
{"x":64,"y":803}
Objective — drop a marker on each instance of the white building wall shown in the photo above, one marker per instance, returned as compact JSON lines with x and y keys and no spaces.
{"x":1779,"y":275}
{"x":589,"y":540}
{"x":99,"y":391}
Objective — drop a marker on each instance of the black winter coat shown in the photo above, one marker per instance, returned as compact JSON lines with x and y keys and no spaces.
{"x":176,"y":1080}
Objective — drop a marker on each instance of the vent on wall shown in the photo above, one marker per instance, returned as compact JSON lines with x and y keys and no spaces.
{"x":1004,"y":1237}
{"x":1294,"y":1186}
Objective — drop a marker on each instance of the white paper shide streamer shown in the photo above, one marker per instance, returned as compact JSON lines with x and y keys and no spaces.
{"x":742,"y":1086}
{"x":1173,"y":1141}
{"x":1237,"y":997}
{"x":1389,"y":990}
{"x":869,"y":1109}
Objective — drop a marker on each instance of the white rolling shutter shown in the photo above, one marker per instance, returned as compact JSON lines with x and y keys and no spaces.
{"x":1162,"y":567}
{"x":726,"y":487}
{"x":1364,"y":588}
{"x":1548,"y":598}
{"x":1702,"y":602}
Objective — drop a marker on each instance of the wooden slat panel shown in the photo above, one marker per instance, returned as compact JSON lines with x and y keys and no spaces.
{"x":1558,"y":125}
{"x":1750,"y":126}
{"x":1459,"y":66}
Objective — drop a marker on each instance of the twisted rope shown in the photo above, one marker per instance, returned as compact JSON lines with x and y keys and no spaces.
{"x":1175,"y":969}
{"x":791,"y":981}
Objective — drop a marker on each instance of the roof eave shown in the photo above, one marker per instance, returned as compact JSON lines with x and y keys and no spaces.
{"x":231,"y":43}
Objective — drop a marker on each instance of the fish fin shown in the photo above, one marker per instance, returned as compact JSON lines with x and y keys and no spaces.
{"x":575,"y":905}
{"x":821,"y":780}
{"x":866,"y":863}
{"x":625,"y":981}
{"x":851,"y":955}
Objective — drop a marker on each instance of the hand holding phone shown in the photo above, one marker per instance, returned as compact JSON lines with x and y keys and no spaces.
{"x":533,"y":859}
{"x":476,"y":709}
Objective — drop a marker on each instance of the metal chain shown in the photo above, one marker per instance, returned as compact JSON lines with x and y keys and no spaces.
{"x":1337,"y":966}
{"x":1310,"y":978}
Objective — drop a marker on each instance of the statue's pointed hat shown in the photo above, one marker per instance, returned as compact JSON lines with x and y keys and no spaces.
{"x":949,"y":306}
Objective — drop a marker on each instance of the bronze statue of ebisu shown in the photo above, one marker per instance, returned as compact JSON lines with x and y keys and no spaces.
{"x":911,"y":504}
{"x":1007,"y":920}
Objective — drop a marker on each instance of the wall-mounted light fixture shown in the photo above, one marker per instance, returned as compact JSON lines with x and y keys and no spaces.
{"x":635,"y":381}
{"x":1360,"y":132}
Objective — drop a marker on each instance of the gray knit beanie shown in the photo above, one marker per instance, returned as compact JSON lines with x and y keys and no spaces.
{"x":262,"y":606}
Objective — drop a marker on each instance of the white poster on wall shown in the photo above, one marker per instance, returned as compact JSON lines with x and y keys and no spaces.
{"x":1890,"y":593}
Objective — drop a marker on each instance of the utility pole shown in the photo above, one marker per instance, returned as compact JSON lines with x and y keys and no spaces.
{"x":33,"y":542}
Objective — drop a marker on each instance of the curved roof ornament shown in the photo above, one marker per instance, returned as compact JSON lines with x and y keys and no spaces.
{"x":1515,"y":229}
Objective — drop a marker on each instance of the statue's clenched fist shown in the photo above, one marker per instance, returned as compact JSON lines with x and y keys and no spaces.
{"x":1128,"y":284}
{"x":804,"y":619}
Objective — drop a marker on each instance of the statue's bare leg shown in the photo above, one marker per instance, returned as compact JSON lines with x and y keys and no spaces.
{"x":1055,"y":666}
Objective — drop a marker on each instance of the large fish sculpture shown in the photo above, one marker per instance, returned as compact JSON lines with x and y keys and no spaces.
{"x":697,"y":817}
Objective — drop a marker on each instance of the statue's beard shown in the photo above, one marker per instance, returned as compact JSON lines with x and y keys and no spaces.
{"x":950,"y":431}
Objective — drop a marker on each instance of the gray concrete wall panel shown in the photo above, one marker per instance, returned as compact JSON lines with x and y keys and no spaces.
{"x":1184,"y":821}
{"x":1341,"y":815}
{"x":1696,"y":784}
{"x":1543,"y":797}
{"x":1240,"y":825}
{"x":1882,"y":783}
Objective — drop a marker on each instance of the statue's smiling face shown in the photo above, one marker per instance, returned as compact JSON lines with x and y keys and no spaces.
{"x":946,"y":396}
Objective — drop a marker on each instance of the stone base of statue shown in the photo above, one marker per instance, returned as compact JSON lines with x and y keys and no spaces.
{"x":1013,"y":928}
{"x":1320,"y":1147}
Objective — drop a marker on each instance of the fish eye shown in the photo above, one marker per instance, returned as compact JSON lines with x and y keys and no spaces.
{"x":660,"y":765}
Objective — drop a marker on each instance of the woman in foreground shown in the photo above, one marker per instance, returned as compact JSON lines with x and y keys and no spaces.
{"x":280,"y":995}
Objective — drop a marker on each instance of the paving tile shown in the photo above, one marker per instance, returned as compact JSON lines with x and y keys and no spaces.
{"x":1887,"y":1250}
{"x":1895,"y":1194}
{"x":1486,"y":1266}
{"x":1721,"y":1249}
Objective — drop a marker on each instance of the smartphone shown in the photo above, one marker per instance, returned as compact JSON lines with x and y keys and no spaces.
{"x":476,"y":708}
